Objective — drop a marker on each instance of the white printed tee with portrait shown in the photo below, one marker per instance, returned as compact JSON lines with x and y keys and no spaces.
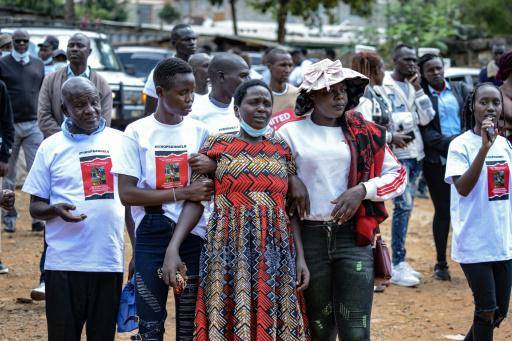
{"x":157,"y":155}
{"x":481,"y":221}
{"x":218,"y":120}
{"x":78,"y":172}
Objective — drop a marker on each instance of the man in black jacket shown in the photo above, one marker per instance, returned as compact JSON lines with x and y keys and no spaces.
{"x":23,"y":76}
{"x":6,"y":140}
{"x":448,"y":101}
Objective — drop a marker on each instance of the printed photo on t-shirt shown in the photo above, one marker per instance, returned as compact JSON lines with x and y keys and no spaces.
{"x":97,"y":179}
{"x":498,"y":174}
{"x":171,"y":167}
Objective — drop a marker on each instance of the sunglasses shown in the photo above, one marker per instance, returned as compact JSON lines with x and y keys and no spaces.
{"x":19,"y":41}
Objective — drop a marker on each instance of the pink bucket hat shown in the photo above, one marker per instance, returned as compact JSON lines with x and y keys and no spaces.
{"x":324,"y":74}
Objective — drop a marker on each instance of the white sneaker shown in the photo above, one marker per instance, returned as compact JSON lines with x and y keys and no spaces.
{"x":38,"y":294}
{"x":413,"y":272}
{"x":400,"y":276}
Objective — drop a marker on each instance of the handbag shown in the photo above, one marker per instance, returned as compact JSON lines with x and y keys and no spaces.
{"x":127,"y":317}
{"x":381,"y":259}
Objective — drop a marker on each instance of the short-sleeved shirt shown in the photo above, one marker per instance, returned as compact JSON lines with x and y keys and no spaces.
{"x":157,"y":155}
{"x":481,"y":221}
{"x":79,"y":173}
{"x":218,"y":118}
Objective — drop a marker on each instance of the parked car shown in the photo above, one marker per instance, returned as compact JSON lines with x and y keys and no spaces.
{"x":126,"y":90}
{"x":462,"y":74}
{"x":138,"y":61}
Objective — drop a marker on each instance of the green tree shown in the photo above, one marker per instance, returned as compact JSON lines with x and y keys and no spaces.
{"x":47,"y":7}
{"x":306,"y":10}
{"x":422,"y":23}
{"x":489,"y":17}
{"x":169,"y":14}
{"x":232,"y":5}
{"x":103,"y":9}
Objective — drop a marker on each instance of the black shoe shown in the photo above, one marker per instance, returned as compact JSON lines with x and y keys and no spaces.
{"x":38,"y":227}
{"x":441,"y":272}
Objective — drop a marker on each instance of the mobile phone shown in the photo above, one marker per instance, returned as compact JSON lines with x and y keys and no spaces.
{"x":490,"y":133}
{"x":411,"y":134}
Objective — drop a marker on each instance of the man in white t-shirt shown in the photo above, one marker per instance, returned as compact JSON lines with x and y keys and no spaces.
{"x":73,"y":189}
{"x":184,"y":40}
{"x":226,"y":71}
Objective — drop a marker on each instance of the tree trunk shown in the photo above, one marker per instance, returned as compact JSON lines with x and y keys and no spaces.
{"x":70,"y":11}
{"x":282,"y":12}
{"x":233,"y":16}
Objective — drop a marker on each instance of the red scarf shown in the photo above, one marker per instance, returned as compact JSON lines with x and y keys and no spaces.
{"x":367,"y":143}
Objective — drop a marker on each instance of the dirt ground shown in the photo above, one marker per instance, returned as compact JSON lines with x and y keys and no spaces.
{"x":432,"y":311}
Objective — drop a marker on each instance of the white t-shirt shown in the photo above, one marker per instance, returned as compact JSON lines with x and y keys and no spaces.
{"x":217,"y":119}
{"x":157,"y":154}
{"x":323,"y":161}
{"x":482,"y":221}
{"x":149,"y":87}
{"x":79,"y":173}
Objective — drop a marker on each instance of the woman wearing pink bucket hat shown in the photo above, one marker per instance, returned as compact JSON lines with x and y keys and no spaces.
{"x":348,"y":171}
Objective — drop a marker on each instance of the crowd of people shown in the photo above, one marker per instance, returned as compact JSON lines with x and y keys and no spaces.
{"x":256,"y":198}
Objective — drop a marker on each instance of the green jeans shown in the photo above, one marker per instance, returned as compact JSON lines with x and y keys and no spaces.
{"x":340,"y":293}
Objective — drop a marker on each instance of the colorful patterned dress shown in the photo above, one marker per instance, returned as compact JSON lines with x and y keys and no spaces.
{"x":248,"y":275}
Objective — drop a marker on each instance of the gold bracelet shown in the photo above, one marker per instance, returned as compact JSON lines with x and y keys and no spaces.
{"x":174,"y":194}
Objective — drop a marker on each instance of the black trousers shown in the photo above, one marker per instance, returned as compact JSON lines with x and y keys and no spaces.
{"x":490,"y":283}
{"x":440,"y":194}
{"x":74,"y":298}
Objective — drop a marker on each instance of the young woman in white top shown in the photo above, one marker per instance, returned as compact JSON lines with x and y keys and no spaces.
{"x":348,"y":171}
{"x":154,"y":178}
{"x":478,"y":168}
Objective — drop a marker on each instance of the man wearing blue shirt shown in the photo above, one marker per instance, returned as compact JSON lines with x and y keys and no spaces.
{"x":448,"y":101}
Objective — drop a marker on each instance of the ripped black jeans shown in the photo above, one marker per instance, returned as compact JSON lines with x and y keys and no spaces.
{"x":152,"y":237}
{"x":490,"y":283}
{"x":340,"y":293}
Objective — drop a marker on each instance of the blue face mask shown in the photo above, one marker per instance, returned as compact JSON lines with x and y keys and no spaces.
{"x":6,"y":53}
{"x":254,"y":132}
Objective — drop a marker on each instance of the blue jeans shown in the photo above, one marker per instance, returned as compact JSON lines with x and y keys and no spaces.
{"x":403,"y":209}
{"x":340,"y":293}
{"x":152,"y":238}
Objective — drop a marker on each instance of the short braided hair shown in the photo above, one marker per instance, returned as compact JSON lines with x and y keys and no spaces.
{"x":366,"y":63}
{"x":468,"y":111}
{"x":167,"y":69}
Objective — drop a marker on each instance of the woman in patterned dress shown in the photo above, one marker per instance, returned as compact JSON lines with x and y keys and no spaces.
{"x":253,"y":268}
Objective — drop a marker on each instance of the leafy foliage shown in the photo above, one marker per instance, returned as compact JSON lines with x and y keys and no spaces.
{"x":169,"y":14}
{"x":490,"y":17}
{"x":47,"y":7}
{"x":307,"y":10}
{"x":103,"y":9}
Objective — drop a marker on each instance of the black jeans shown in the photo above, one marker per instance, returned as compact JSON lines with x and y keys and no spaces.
{"x":490,"y":283}
{"x":440,"y":194}
{"x":152,"y":238}
{"x":76,"y":298}
{"x":340,"y":293}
